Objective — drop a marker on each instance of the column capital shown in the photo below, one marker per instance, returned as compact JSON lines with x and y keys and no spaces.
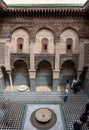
{"x":32,"y":43}
{"x":56,"y":71}
{"x":56,"y":74}
{"x":32,"y":70}
{"x":9,"y":71}
{"x":32,"y":74}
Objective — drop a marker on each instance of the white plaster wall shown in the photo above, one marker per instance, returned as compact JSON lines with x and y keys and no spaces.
{"x":69,"y":33}
{"x":19,"y":33}
{"x":44,"y":33}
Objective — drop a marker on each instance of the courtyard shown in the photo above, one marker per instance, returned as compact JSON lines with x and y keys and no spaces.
{"x":17,"y":104}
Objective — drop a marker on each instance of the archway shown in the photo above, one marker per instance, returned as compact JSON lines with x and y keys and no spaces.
{"x":44,"y":74}
{"x":5,"y":78}
{"x":20,"y":75}
{"x":68,"y":72}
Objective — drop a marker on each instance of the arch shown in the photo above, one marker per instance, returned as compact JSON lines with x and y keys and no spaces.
{"x":17,"y":34}
{"x":44,"y":74}
{"x":68,"y":68}
{"x":20,"y":63}
{"x":68,"y":64}
{"x":47,"y":31}
{"x":50,"y":30}
{"x":20,"y":73}
{"x":68,"y":72}
{"x":19,"y":59}
{"x":19,"y":29}
{"x":69,"y":34}
{"x":5,"y":76}
{"x":46,"y":65}
{"x":41,"y":59}
{"x":71,"y":29}
{"x":47,"y":34}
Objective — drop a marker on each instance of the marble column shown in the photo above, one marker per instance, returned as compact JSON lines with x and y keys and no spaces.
{"x":32,"y":72}
{"x":55,"y":79}
{"x":32,"y":75}
{"x":11,"y":84}
{"x":56,"y":70}
{"x":57,"y":56}
{"x":31,"y":56}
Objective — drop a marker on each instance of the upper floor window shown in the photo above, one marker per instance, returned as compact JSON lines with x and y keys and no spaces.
{"x":20,"y":42}
{"x":69,"y":45}
{"x":44,"y":45}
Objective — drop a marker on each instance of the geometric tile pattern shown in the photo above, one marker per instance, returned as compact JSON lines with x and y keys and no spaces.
{"x":29,"y":120}
{"x":13,"y":111}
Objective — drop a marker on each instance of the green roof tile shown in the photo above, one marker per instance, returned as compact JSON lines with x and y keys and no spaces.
{"x":45,"y":5}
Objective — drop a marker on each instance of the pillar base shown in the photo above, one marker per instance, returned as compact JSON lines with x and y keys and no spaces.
{"x":55,"y":85}
{"x":55,"y":79}
{"x":32,"y":85}
{"x":32,"y":75}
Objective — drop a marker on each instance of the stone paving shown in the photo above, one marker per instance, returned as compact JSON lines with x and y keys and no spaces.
{"x":72,"y":109}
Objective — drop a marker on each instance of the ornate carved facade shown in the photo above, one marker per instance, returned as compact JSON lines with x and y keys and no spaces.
{"x":44,"y":37}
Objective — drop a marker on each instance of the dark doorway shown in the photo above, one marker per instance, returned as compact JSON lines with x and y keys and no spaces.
{"x":44,"y":74}
{"x":68,"y":72}
{"x":20,"y":73}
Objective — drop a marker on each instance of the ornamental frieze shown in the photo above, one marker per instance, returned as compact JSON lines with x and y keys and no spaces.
{"x":48,"y":57}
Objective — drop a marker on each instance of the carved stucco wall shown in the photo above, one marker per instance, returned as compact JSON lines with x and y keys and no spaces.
{"x":15,"y":57}
{"x":19,"y":33}
{"x":69,"y":33}
{"x":38,"y":28}
{"x":44,"y":33}
{"x":47,"y":57}
{"x":72,"y":57}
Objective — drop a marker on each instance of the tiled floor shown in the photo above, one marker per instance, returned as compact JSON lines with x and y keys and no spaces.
{"x":30,"y":108}
{"x":38,"y":88}
{"x":72,"y":109}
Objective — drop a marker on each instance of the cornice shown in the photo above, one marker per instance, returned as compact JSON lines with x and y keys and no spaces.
{"x":2,"y":5}
{"x":44,"y":10}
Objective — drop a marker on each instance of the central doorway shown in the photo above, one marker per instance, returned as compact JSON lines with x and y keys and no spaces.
{"x":44,"y":75}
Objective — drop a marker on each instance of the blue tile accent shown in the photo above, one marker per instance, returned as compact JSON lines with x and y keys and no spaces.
{"x":20,"y":79}
{"x":64,"y":78}
{"x":44,"y":80}
{"x":55,"y":84}
{"x":32,"y":85}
